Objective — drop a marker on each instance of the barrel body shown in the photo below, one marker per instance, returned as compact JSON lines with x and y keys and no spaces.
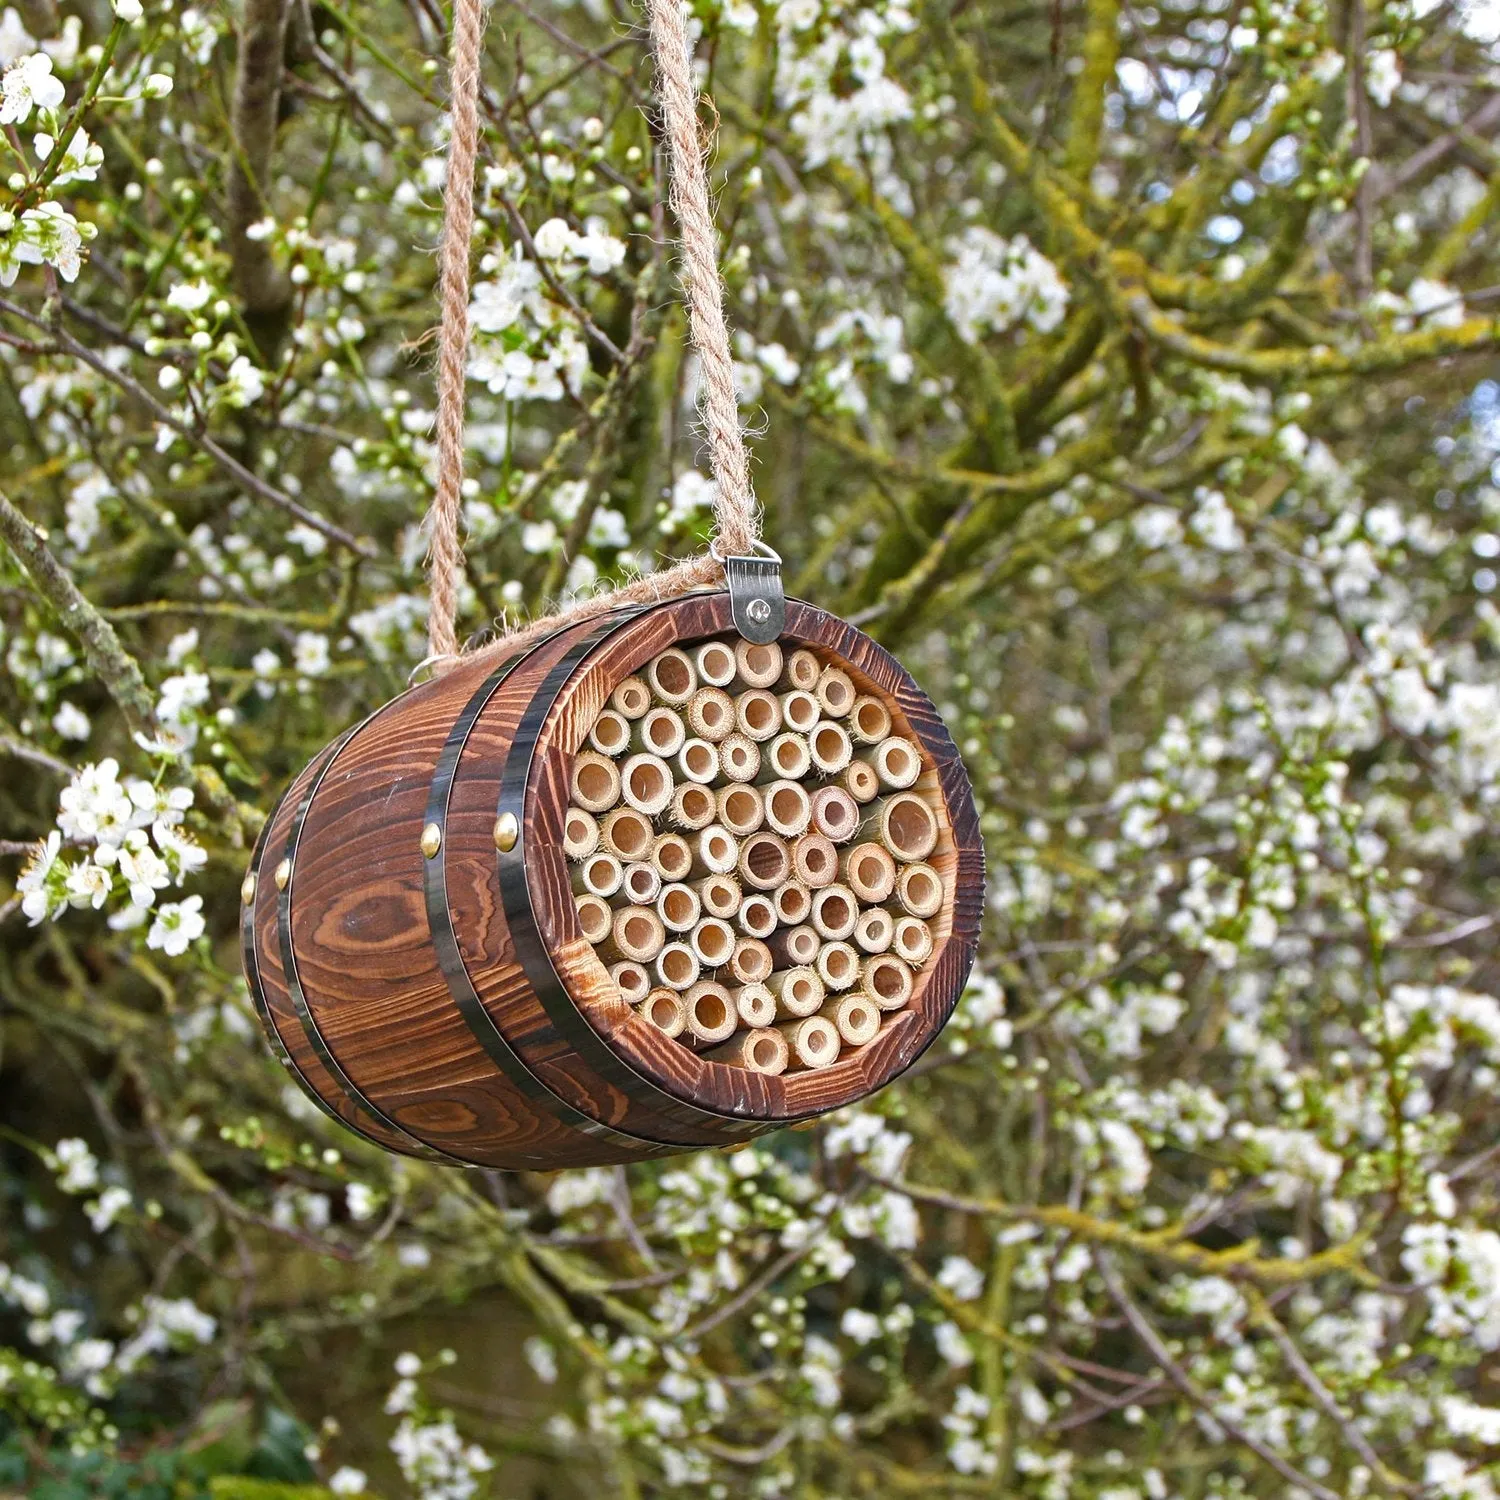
{"x":411,"y":941}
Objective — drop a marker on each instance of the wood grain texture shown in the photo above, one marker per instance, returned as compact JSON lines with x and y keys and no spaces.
{"x":268,"y":978}
{"x":452,"y":1009}
{"x":368,"y":964}
{"x":252,"y":967}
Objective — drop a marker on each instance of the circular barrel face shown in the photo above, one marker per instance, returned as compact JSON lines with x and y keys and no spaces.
{"x":836,"y":797}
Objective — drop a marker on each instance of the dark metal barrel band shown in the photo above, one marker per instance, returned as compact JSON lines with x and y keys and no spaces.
{"x":445,"y":939}
{"x":251,"y":962}
{"x":315,"y":1039}
{"x":520,"y":915}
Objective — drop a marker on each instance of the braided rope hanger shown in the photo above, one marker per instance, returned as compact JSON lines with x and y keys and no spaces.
{"x":736,"y":520}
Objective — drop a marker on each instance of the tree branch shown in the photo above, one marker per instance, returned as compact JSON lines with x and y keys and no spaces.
{"x":115,"y":667}
{"x":263,"y":287}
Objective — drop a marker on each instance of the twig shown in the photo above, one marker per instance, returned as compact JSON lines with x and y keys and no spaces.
{"x":65,"y":343}
{"x":1192,"y":1390}
{"x":1451,"y":935}
{"x":1262,"y":1315}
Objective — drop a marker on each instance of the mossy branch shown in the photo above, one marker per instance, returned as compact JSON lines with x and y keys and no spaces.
{"x":108,"y":659}
{"x":1243,"y":1262}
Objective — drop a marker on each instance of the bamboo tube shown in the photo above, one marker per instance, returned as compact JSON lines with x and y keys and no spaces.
{"x":795,"y":947}
{"x":672,"y":677}
{"x":646,"y":783}
{"x":835,"y":692}
{"x":756,"y":917}
{"x":750,"y":963}
{"x":641,"y":884}
{"x":764,"y":861}
{"x":711,"y":1016}
{"x":912,"y":940}
{"x":834,"y":912}
{"x":678,"y":907}
{"x":716,"y":851}
{"x":757,"y":666}
{"x":787,"y":809}
{"x":720,"y":896}
{"x":869,"y":871}
{"x":580,"y":833}
{"x":637,"y":934}
{"x":758,"y":714}
{"x":739,"y":758}
{"x":632,"y":698}
{"x":800,"y":711}
{"x":596,"y":782}
{"x":801,"y":670}
{"x":611,"y":733}
{"x":699,"y":761}
{"x":837,"y":966}
{"x":627,"y":834}
{"x":860,"y":781}
{"x":665,"y":1011}
{"x":672,"y":856}
{"x":829,"y":747}
{"x":798,"y":992}
{"x":715,"y":663}
{"x":887,"y":981}
{"x":793,"y":902}
{"x":713,"y":941}
{"x":692,"y":808}
{"x":869,"y":720}
{"x":710,"y":714}
{"x":786,"y":758}
{"x":677,"y":966}
{"x":661,"y":732}
{"x":904,"y":824}
{"x":835,"y":813}
{"x":896,"y":761}
{"x":755,"y":1005}
{"x":815,"y":860}
{"x":595,"y":917}
{"x":741,"y":808}
{"x":874,"y":930}
{"x":632,"y":981}
{"x":599,"y":875}
{"x":919,"y":889}
{"x":761,"y":1051}
{"x":814,"y":1041}
{"x":857,"y":1019}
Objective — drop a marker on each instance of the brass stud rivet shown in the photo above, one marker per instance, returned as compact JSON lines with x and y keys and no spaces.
{"x":507,"y":831}
{"x":283,"y":874}
{"x":432,"y":840}
{"x":247,"y":889}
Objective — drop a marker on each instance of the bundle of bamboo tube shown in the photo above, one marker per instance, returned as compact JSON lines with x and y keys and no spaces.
{"x":751,"y":854}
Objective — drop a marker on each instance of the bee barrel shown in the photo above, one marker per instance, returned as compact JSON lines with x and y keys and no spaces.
{"x":413,"y":942}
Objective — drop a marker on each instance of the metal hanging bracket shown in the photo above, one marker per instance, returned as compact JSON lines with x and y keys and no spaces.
{"x":757,"y":601}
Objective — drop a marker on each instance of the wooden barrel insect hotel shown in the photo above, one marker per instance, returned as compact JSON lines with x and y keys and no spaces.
{"x":644,"y":887}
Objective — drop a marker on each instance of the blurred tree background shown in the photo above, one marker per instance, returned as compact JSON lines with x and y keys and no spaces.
{"x":1130,"y":369}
